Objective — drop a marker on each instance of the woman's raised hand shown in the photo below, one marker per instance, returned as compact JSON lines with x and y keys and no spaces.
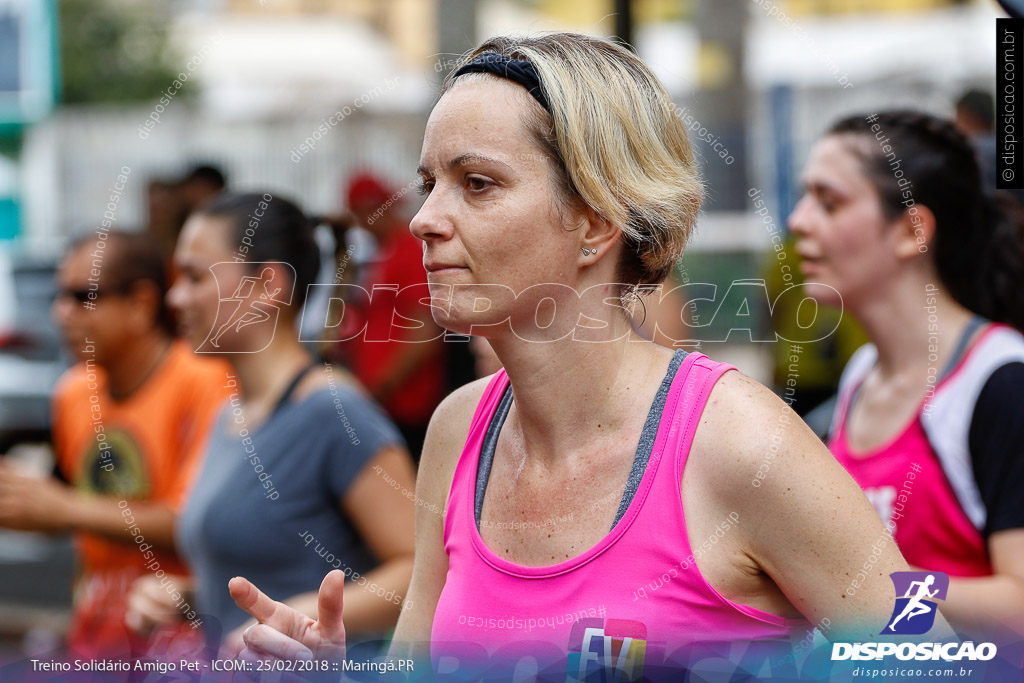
{"x":283,"y":633}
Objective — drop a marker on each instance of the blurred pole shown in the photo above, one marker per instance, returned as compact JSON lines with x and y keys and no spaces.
{"x":722,"y":101}
{"x":456,"y":30}
{"x":624,"y":22}
{"x":781,"y":106}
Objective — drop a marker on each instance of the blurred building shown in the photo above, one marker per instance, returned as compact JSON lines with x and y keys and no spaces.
{"x":269,"y":73}
{"x":297,"y":95}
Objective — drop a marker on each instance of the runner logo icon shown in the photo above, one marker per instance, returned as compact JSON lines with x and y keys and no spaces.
{"x":916,"y":606}
{"x":253,"y":301}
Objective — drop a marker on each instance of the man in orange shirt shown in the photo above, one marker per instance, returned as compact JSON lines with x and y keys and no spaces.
{"x":128,"y":420}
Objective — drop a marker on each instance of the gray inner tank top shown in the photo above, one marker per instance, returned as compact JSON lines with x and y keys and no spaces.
{"x":643,"y":449}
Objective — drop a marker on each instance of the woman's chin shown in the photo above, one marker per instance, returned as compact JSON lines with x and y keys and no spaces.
{"x":824,"y":293}
{"x":459,"y":318}
{"x":443,"y":314}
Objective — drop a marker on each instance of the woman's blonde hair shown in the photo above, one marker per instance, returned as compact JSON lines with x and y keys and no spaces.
{"x":619,"y":146}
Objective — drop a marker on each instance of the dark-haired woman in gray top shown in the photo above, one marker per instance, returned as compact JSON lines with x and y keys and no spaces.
{"x":303,"y":473}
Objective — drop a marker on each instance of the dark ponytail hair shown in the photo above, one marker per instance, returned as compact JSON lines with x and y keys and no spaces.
{"x":267,"y":227}
{"x":978,"y":246}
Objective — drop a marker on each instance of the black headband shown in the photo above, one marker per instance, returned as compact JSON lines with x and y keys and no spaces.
{"x":517,"y":70}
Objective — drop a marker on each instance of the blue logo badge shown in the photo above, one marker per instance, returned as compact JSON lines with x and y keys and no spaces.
{"x":916,"y":596}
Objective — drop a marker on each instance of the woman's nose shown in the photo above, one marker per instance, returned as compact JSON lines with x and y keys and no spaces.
{"x":432,"y":222}
{"x":798,"y":221}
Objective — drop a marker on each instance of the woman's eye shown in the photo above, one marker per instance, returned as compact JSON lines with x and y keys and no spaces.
{"x":477,"y":184}
{"x":424,"y":187}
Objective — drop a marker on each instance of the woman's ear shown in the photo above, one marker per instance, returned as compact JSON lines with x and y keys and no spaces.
{"x":597,"y":235}
{"x":915,"y":231}
{"x":284,"y":281}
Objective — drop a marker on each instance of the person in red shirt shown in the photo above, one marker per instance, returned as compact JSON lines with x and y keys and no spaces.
{"x":127,"y":422}
{"x":400,"y":355}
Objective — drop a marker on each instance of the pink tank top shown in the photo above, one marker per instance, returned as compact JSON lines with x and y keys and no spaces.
{"x":907,"y":484}
{"x":628,"y":604}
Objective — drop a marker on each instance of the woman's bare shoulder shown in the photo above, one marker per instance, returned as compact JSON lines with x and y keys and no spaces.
{"x":447,"y":433}
{"x":745,"y":427}
{"x":750,"y":441}
{"x":738,"y":398}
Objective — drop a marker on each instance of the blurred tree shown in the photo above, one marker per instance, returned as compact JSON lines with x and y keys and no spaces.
{"x":115,"y":50}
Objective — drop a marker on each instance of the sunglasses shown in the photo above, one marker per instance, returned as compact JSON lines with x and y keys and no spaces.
{"x":84,"y":294}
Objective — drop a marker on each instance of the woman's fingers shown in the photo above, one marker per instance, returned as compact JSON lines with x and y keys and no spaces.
{"x":283,"y":633}
{"x":267,"y":641}
{"x":234,"y":642}
{"x":329,"y":606}
{"x":277,"y":615}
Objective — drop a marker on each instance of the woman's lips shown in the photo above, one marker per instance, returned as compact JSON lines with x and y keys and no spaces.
{"x":446,"y":270}
{"x":809,"y":266}
{"x":809,"y":262}
{"x":438,"y":267}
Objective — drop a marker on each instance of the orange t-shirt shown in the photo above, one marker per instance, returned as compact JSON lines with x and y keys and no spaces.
{"x":139,"y":449}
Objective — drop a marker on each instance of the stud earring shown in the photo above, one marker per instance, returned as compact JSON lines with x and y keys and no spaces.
{"x":588,"y":252}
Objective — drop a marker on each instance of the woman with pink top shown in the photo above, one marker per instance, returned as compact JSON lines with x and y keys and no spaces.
{"x":601,"y":502}
{"x":895,"y":225}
